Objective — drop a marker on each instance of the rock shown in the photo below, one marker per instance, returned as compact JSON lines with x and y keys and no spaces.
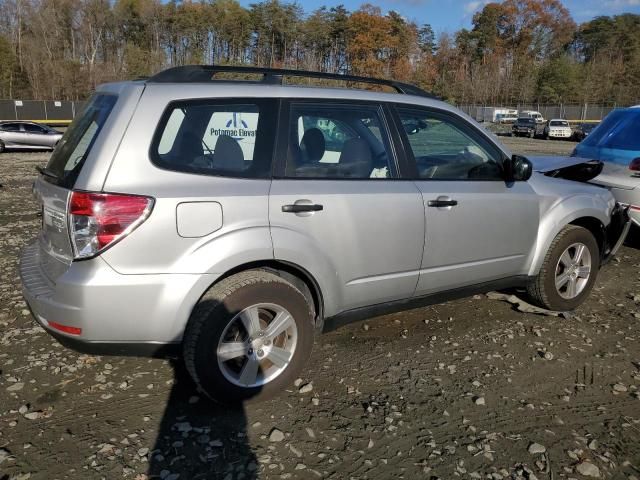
{"x":370,"y":445}
{"x":619,"y":387}
{"x":593,"y":445}
{"x":315,"y":401}
{"x":143,"y":452}
{"x":4,"y":455}
{"x":15,"y":387}
{"x":479,"y":401}
{"x":548,"y":356}
{"x":276,"y":435}
{"x":588,"y":469}
{"x":536,"y":448}
{"x":296,"y":451}
{"x":297,"y":382}
{"x":33,"y":415}
{"x":306,"y":388}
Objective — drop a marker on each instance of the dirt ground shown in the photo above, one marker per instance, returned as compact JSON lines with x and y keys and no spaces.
{"x":468,"y":389}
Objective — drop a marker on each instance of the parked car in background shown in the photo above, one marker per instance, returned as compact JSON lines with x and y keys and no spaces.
{"x":275,"y":210}
{"x":524,"y":127}
{"x":583,"y":130}
{"x":557,"y":128}
{"x":507,"y":117}
{"x":492,"y":114}
{"x":537,"y":116}
{"x":27,"y":136}
{"x":616,"y":142}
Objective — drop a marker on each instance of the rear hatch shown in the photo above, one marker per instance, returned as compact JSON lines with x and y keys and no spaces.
{"x":53,"y":187}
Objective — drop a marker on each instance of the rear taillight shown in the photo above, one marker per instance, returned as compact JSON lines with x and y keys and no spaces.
{"x":635,"y":165}
{"x":98,"y":220}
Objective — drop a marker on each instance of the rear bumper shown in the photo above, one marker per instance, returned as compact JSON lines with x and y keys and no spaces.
{"x":110,"y":313}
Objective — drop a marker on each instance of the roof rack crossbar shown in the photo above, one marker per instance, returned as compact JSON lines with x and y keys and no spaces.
{"x":205,"y":73}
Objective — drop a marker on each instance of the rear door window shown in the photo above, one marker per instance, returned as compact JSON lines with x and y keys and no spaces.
{"x":216,"y":137}
{"x":338,"y":142}
{"x":74,"y":147}
{"x":10,"y":127}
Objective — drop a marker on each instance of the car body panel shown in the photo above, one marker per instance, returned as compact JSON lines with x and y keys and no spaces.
{"x":370,"y":231}
{"x":490,"y":248}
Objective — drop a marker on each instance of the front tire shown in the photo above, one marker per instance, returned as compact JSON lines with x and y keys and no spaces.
{"x":568,"y":272}
{"x":248,"y":337}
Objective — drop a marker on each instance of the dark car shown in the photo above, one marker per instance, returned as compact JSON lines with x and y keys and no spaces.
{"x":525,"y":127}
{"x":583,"y":130}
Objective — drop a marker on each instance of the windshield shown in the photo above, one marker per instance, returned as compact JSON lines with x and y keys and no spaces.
{"x":559,"y":123}
{"x":526,"y":121}
{"x":69,"y":156}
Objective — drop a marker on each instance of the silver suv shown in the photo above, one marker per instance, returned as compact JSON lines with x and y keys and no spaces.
{"x":233,"y":219}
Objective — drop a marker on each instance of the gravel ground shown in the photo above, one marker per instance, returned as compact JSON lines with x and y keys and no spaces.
{"x":468,"y":389}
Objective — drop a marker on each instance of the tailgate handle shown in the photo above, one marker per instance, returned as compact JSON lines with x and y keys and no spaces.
{"x":302,"y":207}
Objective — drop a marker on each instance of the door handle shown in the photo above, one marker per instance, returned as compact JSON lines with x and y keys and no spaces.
{"x":302,"y":207}
{"x":442,"y":203}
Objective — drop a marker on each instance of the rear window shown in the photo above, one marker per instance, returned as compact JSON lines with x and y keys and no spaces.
{"x":74,"y":147}
{"x":216,"y":137}
{"x":559,"y":123}
{"x":627,"y":135}
{"x":604,"y":130}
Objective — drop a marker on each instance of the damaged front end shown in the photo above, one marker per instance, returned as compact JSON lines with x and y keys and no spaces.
{"x":616,"y":232}
{"x":569,"y":168}
{"x":584,"y":170}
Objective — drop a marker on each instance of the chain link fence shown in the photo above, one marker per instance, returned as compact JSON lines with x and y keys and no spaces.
{"x":65,"y":111}
{"x":573,"y":113}
{"x":39,"y":110}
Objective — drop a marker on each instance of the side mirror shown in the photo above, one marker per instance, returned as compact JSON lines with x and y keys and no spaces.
{"x":518,"y":169}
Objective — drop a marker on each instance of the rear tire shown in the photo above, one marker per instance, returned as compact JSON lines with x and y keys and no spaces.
{"x":568,"y":272}
{"x":238,"y":327}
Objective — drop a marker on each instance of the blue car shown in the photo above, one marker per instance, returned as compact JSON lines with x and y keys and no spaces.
{"x":616,"y":142}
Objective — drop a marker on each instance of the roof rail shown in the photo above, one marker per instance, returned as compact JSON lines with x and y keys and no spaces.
{"x":205,"y":73}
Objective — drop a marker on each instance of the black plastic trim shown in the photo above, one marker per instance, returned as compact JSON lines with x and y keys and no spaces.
{"x":126,"y":349}
{"x":358,"y":314}
{"x":273,"y":76}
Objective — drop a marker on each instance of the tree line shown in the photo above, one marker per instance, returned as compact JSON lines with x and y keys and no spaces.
{"x":516,"y":51}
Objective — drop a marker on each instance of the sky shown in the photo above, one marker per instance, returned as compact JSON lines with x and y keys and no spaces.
{"x":452,"y":15}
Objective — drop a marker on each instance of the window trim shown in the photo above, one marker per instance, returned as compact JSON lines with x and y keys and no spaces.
{"x":268,"y":109}
{"x":476,"y":134}
{"x":282,"y":147}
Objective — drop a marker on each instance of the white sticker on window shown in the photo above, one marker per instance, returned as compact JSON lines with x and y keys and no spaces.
{"x":241,"y":126}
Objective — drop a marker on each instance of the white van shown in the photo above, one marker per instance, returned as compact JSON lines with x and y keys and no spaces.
{"x":537,"y":116}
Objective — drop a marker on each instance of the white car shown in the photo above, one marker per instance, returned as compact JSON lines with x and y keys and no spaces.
{"x":537,"y":116}
{"x":557,"y":128}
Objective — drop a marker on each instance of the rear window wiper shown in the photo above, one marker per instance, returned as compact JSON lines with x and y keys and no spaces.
{"x":47,"y":172}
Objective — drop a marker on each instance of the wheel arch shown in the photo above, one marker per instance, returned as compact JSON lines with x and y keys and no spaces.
{"x":297,"y":275}
{"x":596,"y":227}
{"x":589,"y":218}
